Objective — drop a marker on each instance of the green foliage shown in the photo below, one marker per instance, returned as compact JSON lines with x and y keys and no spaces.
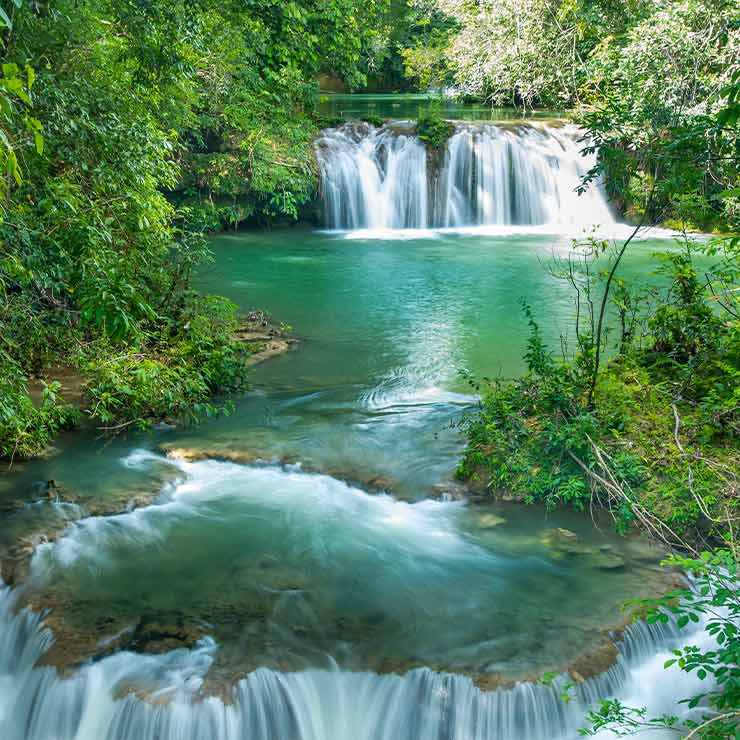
{"x":684,"y":326}
{"x":665,"y":416}
{"x":434,"y":130}
{"x":712,"y":601}
{"x":376,"y":121}
{"x":18,"y":128}
{"x":409,"y":48}
{"x":168,"y":375}
{"x":526,"y":431}
{"x":126,"y":130}
{"x":27,"y":427}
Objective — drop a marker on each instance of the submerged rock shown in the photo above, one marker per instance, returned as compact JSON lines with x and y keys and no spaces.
{"x":489,"y":521}
{"x":563,"y":543}
{"x":450,"y":491}
{"x":607,"y":559}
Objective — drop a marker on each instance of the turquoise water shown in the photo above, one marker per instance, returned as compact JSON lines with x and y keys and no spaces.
{"x":339,"y":542}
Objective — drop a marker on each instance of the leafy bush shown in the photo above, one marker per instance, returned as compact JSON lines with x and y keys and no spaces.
{"x":432,"y":129}
{"x":27,"y":428}
{"x":376,"y":121}
{"x":531,"y":436}
{"x":168,"y":376}
{"x":660,"y":439}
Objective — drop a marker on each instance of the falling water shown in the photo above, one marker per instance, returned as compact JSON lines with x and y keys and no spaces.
{"x":373,"y":178}
{"x":168,"y":696}
{"x":129,"y":696}
{"x":489,"y":176}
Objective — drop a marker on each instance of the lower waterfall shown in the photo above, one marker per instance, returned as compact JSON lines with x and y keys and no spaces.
{"x":130,"y":696}
{"x":384,"y":178}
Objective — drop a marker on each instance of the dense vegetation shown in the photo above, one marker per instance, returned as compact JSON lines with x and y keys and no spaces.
{"x":644,"y":76}
{"x":640,"y":413}
{"x":129,"y":129}
{"x":126,"y":130}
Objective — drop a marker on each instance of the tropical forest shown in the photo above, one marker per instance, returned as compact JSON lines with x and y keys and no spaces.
{"x":369,"y":370}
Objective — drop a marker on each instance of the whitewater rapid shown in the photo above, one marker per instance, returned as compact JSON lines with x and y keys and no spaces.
{"x":131,"y":696}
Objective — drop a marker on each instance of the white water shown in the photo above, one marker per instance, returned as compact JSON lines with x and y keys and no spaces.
{"x":373,"y":178}
{"x":103,"y":700}
{"x":321,"y":503}
{"x":526,"y":176}
{"x":129,"y":696}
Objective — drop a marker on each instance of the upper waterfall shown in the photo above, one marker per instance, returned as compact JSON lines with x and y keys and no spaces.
{"x":524,"y":175}
{"x":373,"y":178}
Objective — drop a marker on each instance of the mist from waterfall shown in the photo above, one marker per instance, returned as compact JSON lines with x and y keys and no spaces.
{"x":523,"y":175}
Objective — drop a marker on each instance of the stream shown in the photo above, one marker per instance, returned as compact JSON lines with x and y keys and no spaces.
{"x":307,"y":568}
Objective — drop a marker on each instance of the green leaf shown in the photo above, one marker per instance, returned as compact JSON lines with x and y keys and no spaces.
{"x":5,"y":19}
{"x":39,"y":142}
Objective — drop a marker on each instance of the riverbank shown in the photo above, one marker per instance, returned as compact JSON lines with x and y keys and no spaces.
{"x":651,"y":435}
{"x":112,"y":394}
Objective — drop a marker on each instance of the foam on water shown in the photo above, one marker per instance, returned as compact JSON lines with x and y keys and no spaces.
{"x":424,"y":527}
{"x":131,"y":696}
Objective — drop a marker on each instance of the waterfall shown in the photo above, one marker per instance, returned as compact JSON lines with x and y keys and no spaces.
{"x":373,"y":178}
{"x":171,"y":695}
{"x":129,"y":696}
{"x":490,"y":175}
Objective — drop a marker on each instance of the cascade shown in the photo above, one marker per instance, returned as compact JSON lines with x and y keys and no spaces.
{"x":131,"y":696}
{"x":128,"y":696}
{"x":373,"y":178}
{"x":490,"y":175}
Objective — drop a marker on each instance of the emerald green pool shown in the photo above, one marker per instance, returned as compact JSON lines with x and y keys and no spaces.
{"x":409,"y":106}
{"x":339,"y":539}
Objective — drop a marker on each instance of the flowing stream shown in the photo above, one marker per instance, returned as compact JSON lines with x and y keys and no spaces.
{"x":319,"y":574}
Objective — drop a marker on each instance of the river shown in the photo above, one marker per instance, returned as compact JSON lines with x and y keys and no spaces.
{"x":307,"y":567}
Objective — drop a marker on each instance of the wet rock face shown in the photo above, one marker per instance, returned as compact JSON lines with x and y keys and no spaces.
{"x":594,"y":662}
{"x":157,"y":637}
{"x":74,"y":646}
{"x":263,"y":337}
